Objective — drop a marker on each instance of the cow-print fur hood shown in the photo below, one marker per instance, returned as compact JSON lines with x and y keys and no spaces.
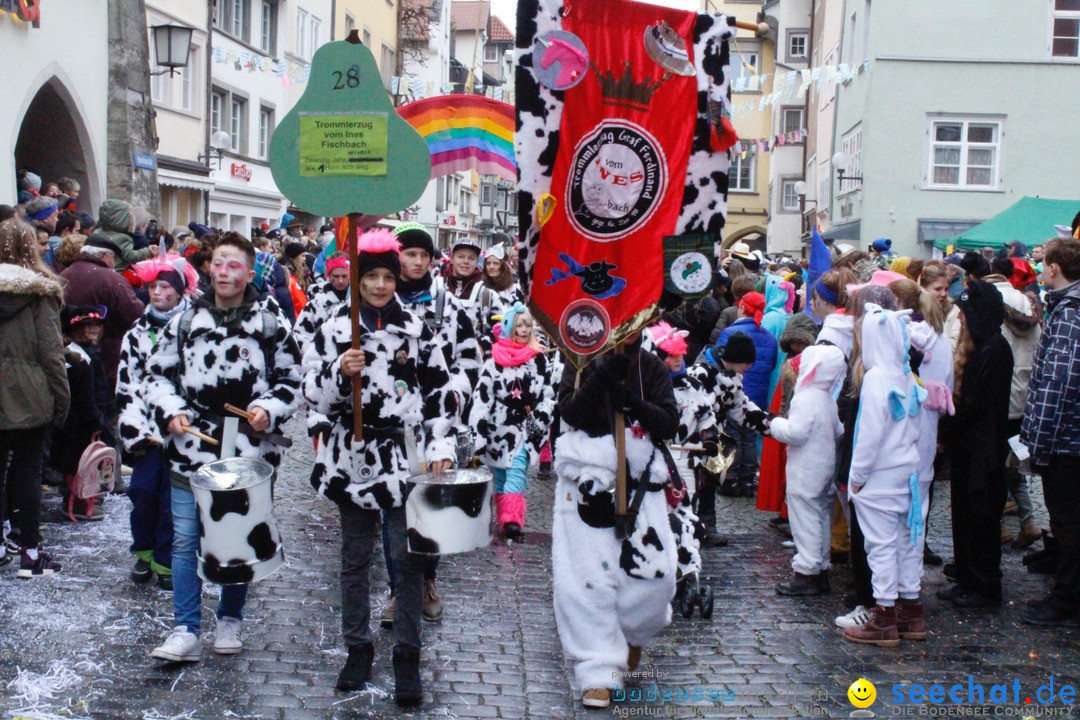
{"x":225,"y":360}
{"x":500,"y":404}
{"x":136,"y":416}
{"x":406,"y":388}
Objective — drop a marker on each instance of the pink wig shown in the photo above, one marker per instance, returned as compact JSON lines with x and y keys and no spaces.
{"x":378,"y":241}
{"x":148,"y":271}
{"x":668,"y":339}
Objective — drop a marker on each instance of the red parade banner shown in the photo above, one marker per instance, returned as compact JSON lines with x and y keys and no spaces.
{"x":617,"y":182}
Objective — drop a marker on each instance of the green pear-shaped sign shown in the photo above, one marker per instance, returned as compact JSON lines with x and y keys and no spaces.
{"x":343,"y":148}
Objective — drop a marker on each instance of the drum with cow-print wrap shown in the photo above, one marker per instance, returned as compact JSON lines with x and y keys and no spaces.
{"x":238,"y":539}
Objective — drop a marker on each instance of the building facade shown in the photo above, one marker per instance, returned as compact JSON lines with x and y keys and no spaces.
{"x":941,"y":126}
{"x":54,"y":120}
{"x":789,"y":22}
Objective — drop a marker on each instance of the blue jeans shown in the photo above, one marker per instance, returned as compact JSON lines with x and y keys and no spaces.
{"x":747,"y":459}
{"x":187,"y":585}
{"x":514,"y":478}
{"x":151,"y":510}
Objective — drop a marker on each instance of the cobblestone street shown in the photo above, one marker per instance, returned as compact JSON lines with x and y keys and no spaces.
{"x":78,"y":645}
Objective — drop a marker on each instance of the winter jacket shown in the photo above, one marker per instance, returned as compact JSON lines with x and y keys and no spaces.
{"x":90,"y":282}
{"x":812,"y":426}
{"x":136,"y":421}
{"x":696,"y":405}
{"x":1052,"y":417}
{"x":885,"y":454}
{"x":33,"y":380}
{"x":321,"y":307}
{"x":756,"y":379}
{"x":455,"y":335}
{"x":500,"y":404}
{"x":87,"y":413}
{"x":838,"y":330}
{"x":952,"y":324}
{"x":976,"y":436}
{"x":727,"y":316}
{"x":405,"y":384}
{"x":114,"y":224}
{"x":242,"y":356}
{"x":730,"y":402}
{"x":1022,"y":330}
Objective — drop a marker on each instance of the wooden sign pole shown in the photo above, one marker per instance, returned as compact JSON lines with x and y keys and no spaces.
{"x":351,"y":225}
{"x":620,"y":456}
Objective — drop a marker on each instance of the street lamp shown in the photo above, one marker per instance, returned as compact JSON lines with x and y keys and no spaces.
{"x":218,"y":141}
{"x":842,"y":161}
{"x":172,"y":47}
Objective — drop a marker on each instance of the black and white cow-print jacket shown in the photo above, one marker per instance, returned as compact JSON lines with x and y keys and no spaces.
{"x":223,"y":360}
{"x":319,"y":309}
{"x":405,"y":385}
{"x":456,"y":336}
{"x":696,"y":415}
{"x":730,"y":401}
{"x":136,"y":420}
{"x":500,"y":404}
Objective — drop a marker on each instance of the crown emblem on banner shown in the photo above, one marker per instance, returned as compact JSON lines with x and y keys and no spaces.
{"x":625,"y":90}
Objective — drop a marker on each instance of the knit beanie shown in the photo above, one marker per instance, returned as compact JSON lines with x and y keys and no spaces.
{"x":754,"y":304}
{"x":72,"y":316}
{"x":415,"y":235}
{"x":739,"y":349}
{"x":41,"y":207}
{"x":882,"y":245}
{"x":376,"y":249}
{"x":294,"y":250}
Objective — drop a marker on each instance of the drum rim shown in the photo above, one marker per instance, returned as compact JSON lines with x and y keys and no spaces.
{"x":482,"y":476}
{"x":198,"y":481}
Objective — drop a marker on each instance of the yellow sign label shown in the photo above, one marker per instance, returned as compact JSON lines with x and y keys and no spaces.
{"x":343,"y":144}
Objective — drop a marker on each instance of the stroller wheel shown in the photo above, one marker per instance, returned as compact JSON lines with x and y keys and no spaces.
{"x":705,"y":598}
{"x":686,"y":603}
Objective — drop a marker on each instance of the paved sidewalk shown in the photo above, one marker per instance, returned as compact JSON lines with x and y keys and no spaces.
{"x":77,"y":645}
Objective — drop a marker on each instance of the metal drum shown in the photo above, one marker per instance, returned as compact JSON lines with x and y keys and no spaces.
{"x":449,"y":513}
{"x":238,"y":540}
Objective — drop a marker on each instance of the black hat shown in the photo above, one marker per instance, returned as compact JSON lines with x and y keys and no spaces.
{"x":378,"y":248}
{"x":100,"y":241}
{"x":466,"y":242}
{"x":73,"y":316}
{"x":739,"y":349}
{"x":415,"y":235}
{"x":983,"y":308}
{"x":294,"y":250}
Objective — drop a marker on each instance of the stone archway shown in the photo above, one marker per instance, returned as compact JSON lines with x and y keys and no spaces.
{"x":54,"y":142}
{"x":754,"y":236}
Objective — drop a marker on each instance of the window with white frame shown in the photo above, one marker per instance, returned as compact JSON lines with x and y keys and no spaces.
{"x":386,"y":66}
{"x":233,"y":17}
{"x":824,"y":186}
{"x":303,"y":33}
{"x":266,"y":129}
{"x":187,"y":80}
{"x":1065,"y":33}
{"x":791,"y":120}
{"x":739,"y":63}
{"x":237,"y":124}
{"x":268,"y":27}
{"x":965,"y":153}
{"x":157,"y":86}
{"x":316,"y":30}
{"x":350,"y":24}
{"x":491,"y":53}
{"x":789,"y":199}
{"x":217,"y":110}
{"x":741,"y":173}
{"x":797,"y":45}
{"x":367,"y":38}
{"x":485,"y":194}
{"x":851,"y":143}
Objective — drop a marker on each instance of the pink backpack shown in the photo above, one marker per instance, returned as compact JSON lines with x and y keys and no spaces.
{"x":95,"y":477}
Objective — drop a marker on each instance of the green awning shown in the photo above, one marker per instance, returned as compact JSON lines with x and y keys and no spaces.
{"x":1031,"y":221}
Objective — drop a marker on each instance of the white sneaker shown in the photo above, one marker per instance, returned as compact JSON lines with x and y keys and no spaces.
{"x":227,"y":636}
{"x":180,"y":646}
{"x":856,"y":618}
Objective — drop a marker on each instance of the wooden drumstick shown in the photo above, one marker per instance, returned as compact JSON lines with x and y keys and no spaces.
{"x":239,"y":411}
{"x":759,"y":29}
{"x":205,"y":438}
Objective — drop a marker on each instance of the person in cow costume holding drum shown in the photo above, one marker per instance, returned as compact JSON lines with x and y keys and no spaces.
{"x":405,"y":385}
{"x":613,"y":584}
{"x":230,"y":348}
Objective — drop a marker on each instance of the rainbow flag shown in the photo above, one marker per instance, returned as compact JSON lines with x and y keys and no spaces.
{"x":465,"y":132}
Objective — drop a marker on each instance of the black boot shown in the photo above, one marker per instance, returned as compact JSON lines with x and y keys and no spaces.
{"x":800,"y":585}
{"x":929,"y":557}
{"x":713,"y":538}
{"x":407,"y":689}
{"x":357,"y":670}
{"x":544,"y":473}
{"x":823,"y":582}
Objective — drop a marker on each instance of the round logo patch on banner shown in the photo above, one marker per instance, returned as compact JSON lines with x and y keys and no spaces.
{"x":691,"y":273}
{"x":560,"y":60}
{"x":585,"y":326}
{"x":617,"y":180}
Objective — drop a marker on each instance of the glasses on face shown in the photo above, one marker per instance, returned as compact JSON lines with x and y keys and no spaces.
{"x":233,"y":265}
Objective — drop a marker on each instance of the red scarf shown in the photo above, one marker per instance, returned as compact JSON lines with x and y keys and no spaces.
{"x":508,"y":353}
